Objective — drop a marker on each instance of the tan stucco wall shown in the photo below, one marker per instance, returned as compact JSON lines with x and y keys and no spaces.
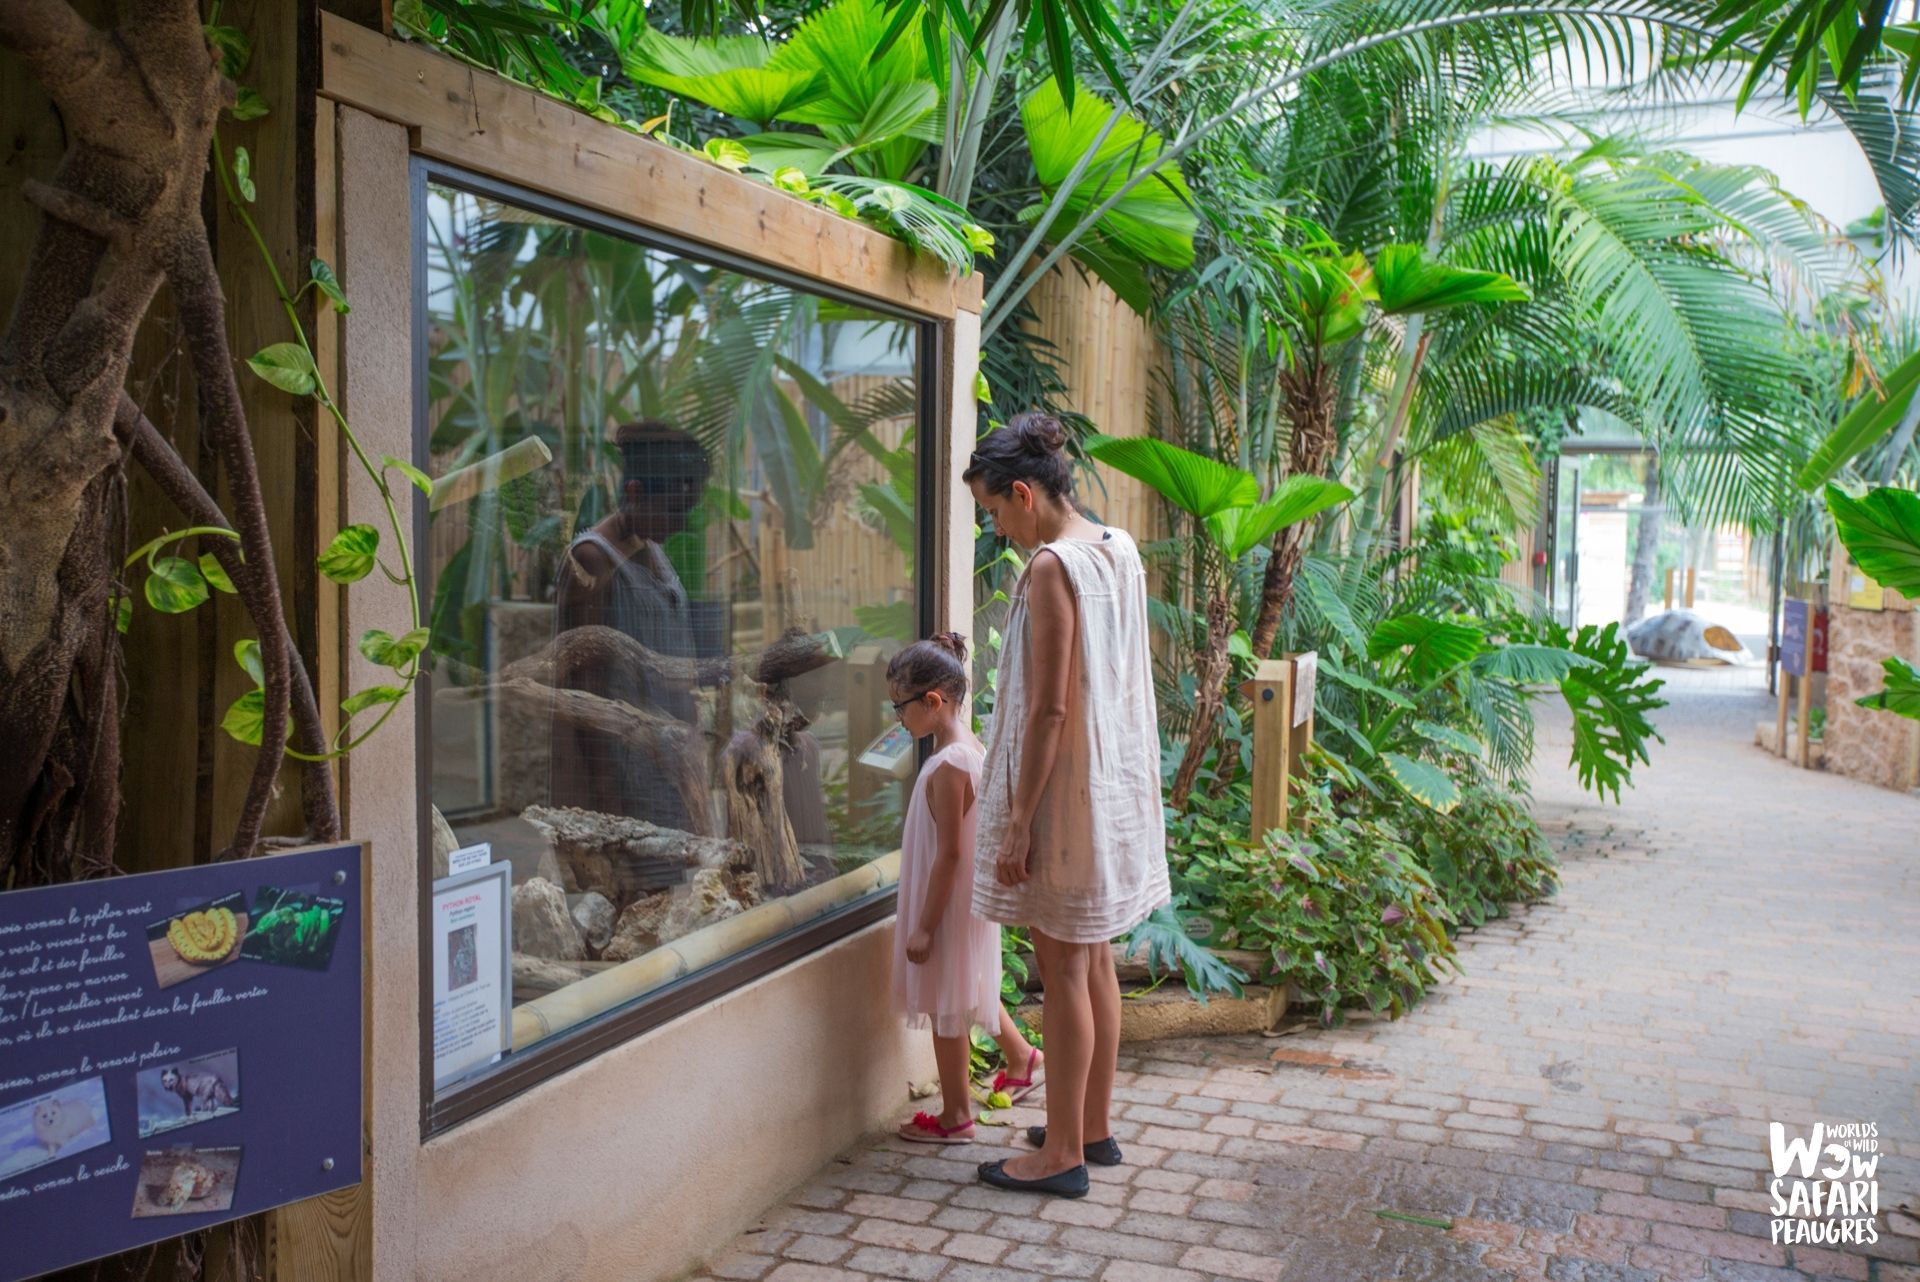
{"x":636,"y":1164}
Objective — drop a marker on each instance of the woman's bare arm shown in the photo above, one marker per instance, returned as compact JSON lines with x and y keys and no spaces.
{"x":1053,"y":620}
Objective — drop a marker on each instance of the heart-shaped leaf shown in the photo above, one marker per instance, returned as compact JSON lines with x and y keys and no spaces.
{"x":349,"y":558}
{"x":287,"y":366}
{"x":175,"y":586}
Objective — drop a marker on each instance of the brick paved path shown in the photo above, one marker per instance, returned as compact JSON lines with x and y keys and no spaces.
{"x":1738,"y":943}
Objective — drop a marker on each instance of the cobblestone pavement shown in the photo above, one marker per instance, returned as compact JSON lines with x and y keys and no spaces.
{"x":1738,"y":943}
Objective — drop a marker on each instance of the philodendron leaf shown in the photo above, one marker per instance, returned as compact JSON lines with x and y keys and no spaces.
{"x":246,"y":719}
{"x":329,"y":284}
{"x":389,"y":651}
{"x":1433,"y":646}
{"x":248,"y":104}
{"x":1881,"y":531}
{"x":1902,"y":695}
{"x":243,"y":174}
{"x":421,"y":481}
{"x":1458,"y":740}
{"x":175,"y":586}
{"x":371,"y":697}
{"x":246,"y":653}
{"x":287,"y":366}
{"x":210,"y":568}
{"x":726,"y":153}
{"x":123,"y":613}
{"x":349,"y":558}
{"x":1425,"y":782}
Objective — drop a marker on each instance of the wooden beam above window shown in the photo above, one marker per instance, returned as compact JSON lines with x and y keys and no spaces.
{"x":482,"y":122}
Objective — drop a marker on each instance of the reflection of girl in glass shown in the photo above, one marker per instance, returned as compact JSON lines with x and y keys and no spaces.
{"x":617,"y":575}
{"x":946,"y":960}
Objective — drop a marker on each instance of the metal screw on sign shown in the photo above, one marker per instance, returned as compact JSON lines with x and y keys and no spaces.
{"x":339,"y":876}
{"x":326,"y":1164}
{"x":1266,"y":696}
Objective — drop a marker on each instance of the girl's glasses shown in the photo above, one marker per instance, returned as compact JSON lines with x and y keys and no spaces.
{"x":900,"y":706}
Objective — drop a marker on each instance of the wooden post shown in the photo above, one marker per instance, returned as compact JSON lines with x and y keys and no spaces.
{"x":1780,"y":723}
{"x":1271,"y":690}
{"x":1806,"y":689}
{"x":1282,"y":694}
{"x":1690,"y":574}
{"x":1669,"y":604}
{"x":866,"y":688}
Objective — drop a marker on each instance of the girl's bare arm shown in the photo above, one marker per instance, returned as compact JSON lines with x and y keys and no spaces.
{"x":949,"y":797}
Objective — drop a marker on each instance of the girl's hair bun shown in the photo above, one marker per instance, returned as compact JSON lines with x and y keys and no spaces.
{"x":952,"y":642}
{"x":1040,"y":433}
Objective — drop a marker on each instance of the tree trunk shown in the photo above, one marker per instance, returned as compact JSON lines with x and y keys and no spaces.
{"x":139,"y":107}
{"x":1309,"y":392}
{"x":1646,"y":547}
{"x":1209,"y":696}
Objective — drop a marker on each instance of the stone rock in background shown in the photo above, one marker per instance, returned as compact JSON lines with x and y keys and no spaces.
{"x":638,"y":929}
{"x":704,"y":901}
{"x":711,"y":895}
{"x":1865,"y":743}
{"x":444,"y":843}
{"x":541,"y":924}
{"x":593,"y":914}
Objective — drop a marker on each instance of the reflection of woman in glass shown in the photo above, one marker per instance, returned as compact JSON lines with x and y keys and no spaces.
{"x":617,"y":575}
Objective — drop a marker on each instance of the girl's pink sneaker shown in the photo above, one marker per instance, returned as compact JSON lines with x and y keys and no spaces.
{"x":925,"y":1128}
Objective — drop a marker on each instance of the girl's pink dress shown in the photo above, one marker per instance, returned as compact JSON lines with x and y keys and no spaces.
{"x":958,"y":986}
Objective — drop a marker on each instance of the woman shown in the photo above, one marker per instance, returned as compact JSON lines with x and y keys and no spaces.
{"x":1072,"y":840}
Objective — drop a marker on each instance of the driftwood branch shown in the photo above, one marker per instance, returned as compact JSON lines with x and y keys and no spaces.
{"x":595,"y":647}
{"x":319,"y":805}
{"x":203,"y":322}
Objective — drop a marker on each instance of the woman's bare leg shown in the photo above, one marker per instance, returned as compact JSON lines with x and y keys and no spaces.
{"x":1103,"y":994}
{"x":1069,"y":1023}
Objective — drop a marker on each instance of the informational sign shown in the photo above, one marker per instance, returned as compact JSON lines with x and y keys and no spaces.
{"x":467,"y":858}
{"x":1796,"y":617}
{"x":891,"y":753}
{"x":177,"y":1049}
{"x":1306,"y":668}
{"x":472,"y":971}
{"x":1862,"y":592}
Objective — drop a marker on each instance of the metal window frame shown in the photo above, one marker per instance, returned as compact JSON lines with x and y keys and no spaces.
{"x":526,"y":1069}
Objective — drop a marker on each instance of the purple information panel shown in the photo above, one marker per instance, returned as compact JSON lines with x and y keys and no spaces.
{"x":176,"y":1049}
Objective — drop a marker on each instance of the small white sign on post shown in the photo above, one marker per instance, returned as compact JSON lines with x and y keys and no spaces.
{"x":1305,"y":668}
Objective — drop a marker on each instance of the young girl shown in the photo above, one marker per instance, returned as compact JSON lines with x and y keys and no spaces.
{"x":946,"y":961}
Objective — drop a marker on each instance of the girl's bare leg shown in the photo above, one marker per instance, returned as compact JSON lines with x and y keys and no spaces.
{"x":1069,"y":1023}
{"x":1103,"y":994}
{"x":953,"y":1055}
{"x":1017,"y":1050}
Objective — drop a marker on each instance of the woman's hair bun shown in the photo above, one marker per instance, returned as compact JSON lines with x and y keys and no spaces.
{"x":952,"y":642}
{"x":1039,"y":432}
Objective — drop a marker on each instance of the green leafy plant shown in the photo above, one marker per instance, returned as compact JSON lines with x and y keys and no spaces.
{"x":1484,"y":856}
{"x":1339,"y":907}
{"x":1881,"y":532}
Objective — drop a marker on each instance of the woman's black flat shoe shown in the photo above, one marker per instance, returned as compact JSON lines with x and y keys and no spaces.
{"x":1101,"y":1152}
{"x":1072,"y":1182}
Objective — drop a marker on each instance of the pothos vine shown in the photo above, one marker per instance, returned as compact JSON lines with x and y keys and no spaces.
{"x":175,"y":584}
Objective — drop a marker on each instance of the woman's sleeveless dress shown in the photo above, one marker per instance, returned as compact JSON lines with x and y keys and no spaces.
{"x":958,"y":986}
{"x":1099,"y":864}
